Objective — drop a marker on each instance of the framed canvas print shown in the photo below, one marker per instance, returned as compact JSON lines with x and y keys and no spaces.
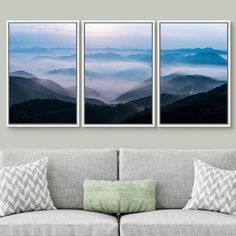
{"x":42,"y":74}
{"x":118,"y":74}
{"x":194,"y":74}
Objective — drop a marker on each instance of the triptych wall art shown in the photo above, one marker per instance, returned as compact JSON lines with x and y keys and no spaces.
{"x":123,"y":68}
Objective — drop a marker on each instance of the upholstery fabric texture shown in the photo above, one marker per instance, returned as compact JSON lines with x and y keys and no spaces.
{"x":119,"y":196}
{"x":172,"y":170}
{"x":178,"y":223}
{"x":24,"y":188}
{"x":67,"y":170}
{"x":214,"y":189}
{"x":59,"y":223}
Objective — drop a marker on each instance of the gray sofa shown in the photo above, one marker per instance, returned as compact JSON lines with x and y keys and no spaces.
{"x":171,"y":169}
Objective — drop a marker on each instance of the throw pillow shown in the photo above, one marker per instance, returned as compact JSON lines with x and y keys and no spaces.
{"x":214,"y":189}
{"x":119,"y":196}
{"x":24,"y":188}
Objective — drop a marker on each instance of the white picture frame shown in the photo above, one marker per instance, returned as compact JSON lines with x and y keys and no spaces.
{"x":226,"y":125}
{"x":153,"y":77}
{"x":11,"y":125}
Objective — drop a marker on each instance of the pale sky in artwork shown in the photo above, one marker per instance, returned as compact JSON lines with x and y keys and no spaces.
{"x":193,"y":35}
{"x":118,"y":35}
{"x":42,"y":34}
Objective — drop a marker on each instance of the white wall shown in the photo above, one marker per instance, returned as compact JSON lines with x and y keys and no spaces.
{"x":114,"y":10}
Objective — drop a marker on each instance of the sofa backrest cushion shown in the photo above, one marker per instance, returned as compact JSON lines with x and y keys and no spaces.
{"x":172,"y":170}
{"x":67,"y":170}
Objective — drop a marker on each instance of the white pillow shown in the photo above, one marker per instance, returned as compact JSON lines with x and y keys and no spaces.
{"x":214,"y":189}
{"x":24,"y":188}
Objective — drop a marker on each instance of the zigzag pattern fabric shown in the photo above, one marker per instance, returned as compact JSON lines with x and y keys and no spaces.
{"x":24,"y":188}
{"x":214,"y":189}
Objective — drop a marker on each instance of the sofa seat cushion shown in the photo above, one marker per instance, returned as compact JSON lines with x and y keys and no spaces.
{"x":178,"y":223}
{"x":59,"y":223}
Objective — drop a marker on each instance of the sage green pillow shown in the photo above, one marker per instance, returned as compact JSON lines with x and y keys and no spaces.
{"x":119,"y":196}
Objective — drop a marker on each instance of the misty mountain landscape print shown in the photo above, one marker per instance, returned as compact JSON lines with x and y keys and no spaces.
{"x":118,"y":73}
{"x":42,"y":73}
{"x":194,"y":73}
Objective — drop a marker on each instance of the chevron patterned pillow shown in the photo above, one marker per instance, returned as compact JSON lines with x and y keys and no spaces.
{"x":24,"y":188}
{"x":214,"y":189}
